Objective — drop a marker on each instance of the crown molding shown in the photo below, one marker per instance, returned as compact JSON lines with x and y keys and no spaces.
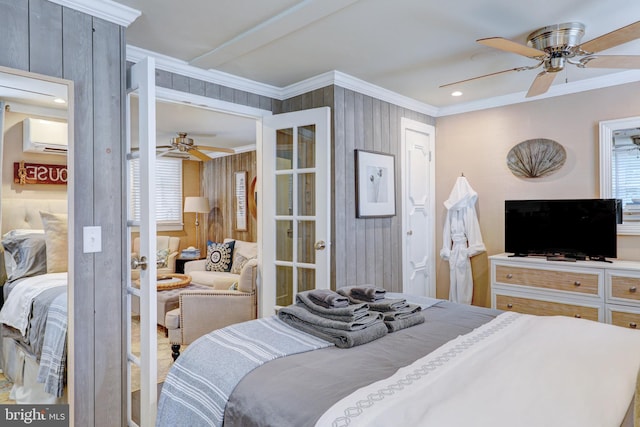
{"x":173,"y":65}
{"x":624,"y":77}
{"x":103,"y":9}
{"x":346,"y":81}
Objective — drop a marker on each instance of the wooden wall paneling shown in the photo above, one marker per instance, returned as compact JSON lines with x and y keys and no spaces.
{"x":45,"y":38}
{"x":14,"y":33}
{"x":212,"y":90}
{"x":266,"y":103}
{"x":108,"y":170}
{"x":378,"y":223}
{"x":253,"y":100}
{"x":226,"y":93}
{"x":196,"y":87}
{"x":394,"y":238}
{"x":385,"y":237}
{"x":369,"y":224}
{"x":358,"y":233}
{"x":338,"y":217}
{"x":164,"y":79}
{"x":180,"y":82}
{"x":77,"y":51}
{"x":347,"y":204}
{"x":240,"y":97}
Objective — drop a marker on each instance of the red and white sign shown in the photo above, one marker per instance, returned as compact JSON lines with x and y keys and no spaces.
{"x":36,"y":173}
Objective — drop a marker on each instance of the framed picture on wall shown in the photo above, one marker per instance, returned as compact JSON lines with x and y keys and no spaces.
{"x":375,"y":184}
{"x":240,"y":183}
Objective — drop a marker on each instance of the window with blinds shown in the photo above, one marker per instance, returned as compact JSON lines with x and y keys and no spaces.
{"x":625,"y":180}
{"x":168,"y":193}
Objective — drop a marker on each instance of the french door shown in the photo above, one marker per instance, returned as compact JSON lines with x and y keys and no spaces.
{"x":296,"y":206}
{"x":141,"y":144}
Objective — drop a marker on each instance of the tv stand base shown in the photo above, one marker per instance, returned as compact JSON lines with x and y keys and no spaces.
{"x":561,"y":258}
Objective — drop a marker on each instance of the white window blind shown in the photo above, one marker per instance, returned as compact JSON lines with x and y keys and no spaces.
{"x":168,"y":192}
{"x":626,"y":181}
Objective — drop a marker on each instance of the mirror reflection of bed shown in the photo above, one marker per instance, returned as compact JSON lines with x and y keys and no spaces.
{"x":34,"y":223}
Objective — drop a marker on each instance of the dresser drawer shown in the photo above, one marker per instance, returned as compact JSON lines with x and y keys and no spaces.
{"x":625,"y":287}
{"x":545,"y":308}
{"x":583,"y":283}
{"x":625,"y":319}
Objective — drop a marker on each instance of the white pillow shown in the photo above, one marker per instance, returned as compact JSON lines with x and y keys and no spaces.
{"x":55,"y":231}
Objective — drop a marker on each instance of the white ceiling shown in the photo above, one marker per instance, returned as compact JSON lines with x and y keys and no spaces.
{"x":410,"y":47}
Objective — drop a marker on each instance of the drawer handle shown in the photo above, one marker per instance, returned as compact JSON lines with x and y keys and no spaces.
{"x":577,"y":316}
{"x":633,"y":325}
{"x":633,"y":289}
{"x":509,"y":305}
{"x":509,"y":276}
{"x":577,"y":283}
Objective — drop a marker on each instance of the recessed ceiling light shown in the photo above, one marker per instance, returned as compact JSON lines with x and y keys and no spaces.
{"x":59,"y":101}
{"x":456,"y":93}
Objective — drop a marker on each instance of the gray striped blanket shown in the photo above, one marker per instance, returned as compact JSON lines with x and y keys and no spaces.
{"x":200,"y":382}
{"x":53,"y":360}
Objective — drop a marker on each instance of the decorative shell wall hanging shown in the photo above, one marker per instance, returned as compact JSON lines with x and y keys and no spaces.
{"x":535,"y":158}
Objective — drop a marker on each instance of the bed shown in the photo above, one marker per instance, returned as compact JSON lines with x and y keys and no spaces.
{"x":464,"y":365}
{"x":33,"y":313}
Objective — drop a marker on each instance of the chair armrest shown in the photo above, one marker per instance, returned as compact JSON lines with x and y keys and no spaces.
{"x":197,"y":265}
{"x":204,"y":311}
{"x":171,"y":261}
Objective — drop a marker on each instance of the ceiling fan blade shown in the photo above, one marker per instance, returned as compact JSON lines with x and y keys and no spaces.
{"x":199,"y":154}
{"x":541,"y":84}
{"x":611,"y":61}
{"x":614,"y":38}
{"x":218,"y":149}
{"x":481,"y":77}
{"x":513,"y":47}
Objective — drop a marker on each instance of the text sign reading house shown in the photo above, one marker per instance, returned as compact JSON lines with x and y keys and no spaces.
{"x":36,"y":173}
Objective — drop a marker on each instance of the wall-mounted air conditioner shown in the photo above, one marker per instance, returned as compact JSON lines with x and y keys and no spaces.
{"x":44,"y":136}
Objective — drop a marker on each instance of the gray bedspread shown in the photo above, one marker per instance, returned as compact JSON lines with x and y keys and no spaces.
{"x":296,"y":390}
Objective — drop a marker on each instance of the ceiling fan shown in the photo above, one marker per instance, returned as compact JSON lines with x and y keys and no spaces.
{"x":183,"y":144}
{"x":556,"y":45}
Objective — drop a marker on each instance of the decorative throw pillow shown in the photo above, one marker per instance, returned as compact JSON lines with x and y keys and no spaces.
{"x":55,"y":232}
{"x":219,"y":256}
{"x":162,"y":257}
{"x":239,"y":261}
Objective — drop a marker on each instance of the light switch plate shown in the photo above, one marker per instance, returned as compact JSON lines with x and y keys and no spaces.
{"x":92,"y":239}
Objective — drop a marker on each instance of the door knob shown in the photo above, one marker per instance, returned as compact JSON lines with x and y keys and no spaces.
{"x":142,"y":263}
{"x":320,"y":245}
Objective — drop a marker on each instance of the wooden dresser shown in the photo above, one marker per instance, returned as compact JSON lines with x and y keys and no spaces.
{"x":602,"y":291}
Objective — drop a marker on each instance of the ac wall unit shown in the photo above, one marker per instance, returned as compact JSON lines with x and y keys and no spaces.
{"x":44,"y":136}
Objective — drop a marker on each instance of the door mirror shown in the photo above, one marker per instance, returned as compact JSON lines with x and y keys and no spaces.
{"x":620,"y":168}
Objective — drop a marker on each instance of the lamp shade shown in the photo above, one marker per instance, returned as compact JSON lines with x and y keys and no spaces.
{"x":196,"y":204}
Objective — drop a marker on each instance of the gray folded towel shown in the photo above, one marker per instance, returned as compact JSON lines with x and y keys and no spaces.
{"x":303,"y":313}
{"x":328,"y":298}
{"x":350,"y":313}
{"x":341,"y":338}
{"x":402,"y":313}
{"x":396,"y":325}
{"x":367,"y":293}
{"x":386,"y":304}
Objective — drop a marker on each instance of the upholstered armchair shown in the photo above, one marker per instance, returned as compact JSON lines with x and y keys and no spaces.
{"x":202,"y":311}
{"x":166,"y":246}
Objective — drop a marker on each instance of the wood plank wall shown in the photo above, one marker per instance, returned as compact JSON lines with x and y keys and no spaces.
{"x":219,"y":187}
{"x":47,"y":38}
{"x":368,"y":250}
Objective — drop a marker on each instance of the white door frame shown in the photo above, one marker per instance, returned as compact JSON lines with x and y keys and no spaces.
{"x":143,"y":81}
{"x":321,"y":117}
{"x":412,"y":125}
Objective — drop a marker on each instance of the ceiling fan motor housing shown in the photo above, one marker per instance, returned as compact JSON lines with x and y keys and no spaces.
{"x":560,"y":41}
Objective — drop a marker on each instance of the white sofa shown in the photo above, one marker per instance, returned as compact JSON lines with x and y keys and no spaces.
{"x":220,"y":279}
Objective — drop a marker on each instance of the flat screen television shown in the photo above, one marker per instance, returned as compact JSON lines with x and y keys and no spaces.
{"x":563,"y":229}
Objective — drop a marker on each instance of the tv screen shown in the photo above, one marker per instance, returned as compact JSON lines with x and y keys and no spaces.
{"x":575,"y":228}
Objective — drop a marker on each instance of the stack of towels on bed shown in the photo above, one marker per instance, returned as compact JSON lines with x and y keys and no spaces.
{"x":397,"y":313}
{"x":348,"y":319}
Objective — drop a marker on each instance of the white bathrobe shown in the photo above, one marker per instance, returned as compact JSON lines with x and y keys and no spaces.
{"x":461,"y":239}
